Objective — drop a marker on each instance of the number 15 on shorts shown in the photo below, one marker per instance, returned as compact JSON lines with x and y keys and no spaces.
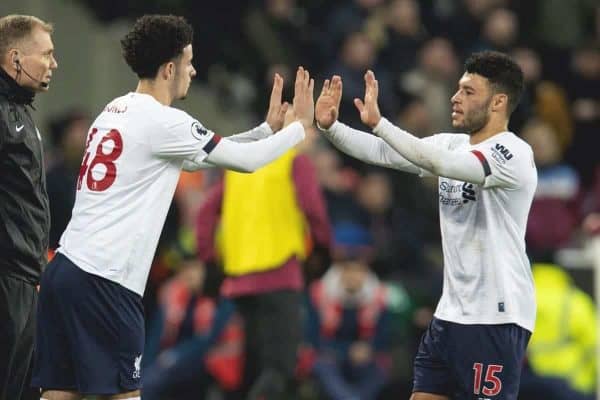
{"x":492,"y":385}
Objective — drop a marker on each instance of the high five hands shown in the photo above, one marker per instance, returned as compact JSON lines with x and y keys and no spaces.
{"x":369,"y":109}
{"x":304,"y":101}
{"x":277,"y":109}
{"x":303,"y":107}
{"x":328,"y":103}
{"x":327,"y":108}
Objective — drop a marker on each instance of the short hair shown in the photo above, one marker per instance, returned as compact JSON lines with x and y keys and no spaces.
{"x":503,"y":73}
{"x":155,"y":40}
{"x":14,"y":28}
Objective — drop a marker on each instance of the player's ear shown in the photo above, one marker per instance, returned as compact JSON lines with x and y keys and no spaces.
{"x":167,"y":71}
{"x":499,"y":101}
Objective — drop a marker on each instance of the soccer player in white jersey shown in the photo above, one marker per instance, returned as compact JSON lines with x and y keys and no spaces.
{"x":474,"y":346}
{"x":90,"y":332}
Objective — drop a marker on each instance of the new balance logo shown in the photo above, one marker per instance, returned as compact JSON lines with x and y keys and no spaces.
{"x":504,"y":151}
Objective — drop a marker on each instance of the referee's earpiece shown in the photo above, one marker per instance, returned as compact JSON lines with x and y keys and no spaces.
{"x":17,"y":63}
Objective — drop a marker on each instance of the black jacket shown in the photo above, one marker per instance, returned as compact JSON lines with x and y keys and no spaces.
{"x":24,"y":209}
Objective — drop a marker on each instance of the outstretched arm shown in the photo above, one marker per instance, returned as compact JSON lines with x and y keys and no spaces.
{"x":358,"y":144}
{"x":273,"y":122}
{"x":460,"y":165}
{"x":248,"y":157}
{"x":367,"y":148}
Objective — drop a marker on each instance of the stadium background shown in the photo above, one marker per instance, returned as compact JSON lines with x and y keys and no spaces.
{"x":416,"y":49}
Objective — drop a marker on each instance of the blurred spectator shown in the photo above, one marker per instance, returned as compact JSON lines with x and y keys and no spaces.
{"x":270,"y":221}
{"x":584,"y":96}
{"x":433,"y":81}
{"x":396,"y":248}
{"x":531,"y":65}
{"x":404,"y":35}
{"x":541,"y":98}
{"x":553,"y":214}
{"x":338,"y":183}
{"x":462,"y":21}
{"x":357,"y":54}
{"x":562,"y":351}
{"x":194,"y":341}
{"x":591,"y":207}
{"x":559,"y":26}
{"x":500,"y":31}
{"x":346,"y":18}
{"x":276,"y":29}
{"x":414,"y":117}
{"x":68,"y":133}
{"x":348,"y":322}
{"x":279,"y":33}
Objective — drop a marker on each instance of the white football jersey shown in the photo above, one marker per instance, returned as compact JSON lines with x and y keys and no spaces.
{"x":134,"y":153}
{"x":487,"y":275}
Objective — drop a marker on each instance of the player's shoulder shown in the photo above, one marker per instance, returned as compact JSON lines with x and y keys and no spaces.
{"x":171,"y":116}
{"x":510,"y":146}
{"x":450,"y":141}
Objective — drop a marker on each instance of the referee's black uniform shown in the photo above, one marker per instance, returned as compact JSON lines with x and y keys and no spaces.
{"x":24,"y":228}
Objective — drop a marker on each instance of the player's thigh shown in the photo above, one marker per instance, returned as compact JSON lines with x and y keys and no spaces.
{"x":428,"y":396}
{"x":487,"y":360}
{"x":431,"y":373}
{"x":104,"y":324}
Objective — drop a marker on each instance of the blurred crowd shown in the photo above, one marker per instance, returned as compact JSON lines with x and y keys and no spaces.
{"x":370,"y":295}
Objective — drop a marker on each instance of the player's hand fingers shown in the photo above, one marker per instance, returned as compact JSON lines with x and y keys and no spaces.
{"x":325,"y":88}
{"x":336,"y":88}
{"x":306,"y":78}
{"x":277,"y":91}
{"x":299,"y":80}
{"x":283,"y":109}
{"x":359,"y":105}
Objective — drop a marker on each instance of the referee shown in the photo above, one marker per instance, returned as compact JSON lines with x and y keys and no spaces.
{"x":26,"y":65}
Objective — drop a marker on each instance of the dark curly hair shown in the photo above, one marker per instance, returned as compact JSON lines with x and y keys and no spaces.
{"x":502,"y":72}
{"x":155,"y":40}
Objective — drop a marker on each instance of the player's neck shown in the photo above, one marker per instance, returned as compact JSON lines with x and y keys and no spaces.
{"x":160,"y":92}
{"x":492,"y":128}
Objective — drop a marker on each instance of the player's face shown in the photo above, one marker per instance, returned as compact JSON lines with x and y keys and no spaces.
{"x":37,"y":58}
{"x":184,"y":73}
{"x":471,"y":103}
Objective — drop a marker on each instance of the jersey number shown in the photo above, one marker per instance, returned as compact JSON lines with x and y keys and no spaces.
{"x":100,"y":158}
{"x":493,"y":384}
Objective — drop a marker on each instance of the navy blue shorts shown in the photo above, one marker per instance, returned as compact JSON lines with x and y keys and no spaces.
{"x":90,"y":332}
{"x":470,"y":362}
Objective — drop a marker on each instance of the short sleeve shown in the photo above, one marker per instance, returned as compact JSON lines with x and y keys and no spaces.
{"x":506,"y":164}
{"x":183,"y":137}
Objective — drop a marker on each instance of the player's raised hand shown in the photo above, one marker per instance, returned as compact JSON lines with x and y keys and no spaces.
{"x":369,"y":110}
{"x":277,"y":110}
{"x":327,"y":108}
{"x":304,"y":102}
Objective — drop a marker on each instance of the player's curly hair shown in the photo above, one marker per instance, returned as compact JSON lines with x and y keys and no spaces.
{"x":155,"y":40}
{"x":503,"y":73}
